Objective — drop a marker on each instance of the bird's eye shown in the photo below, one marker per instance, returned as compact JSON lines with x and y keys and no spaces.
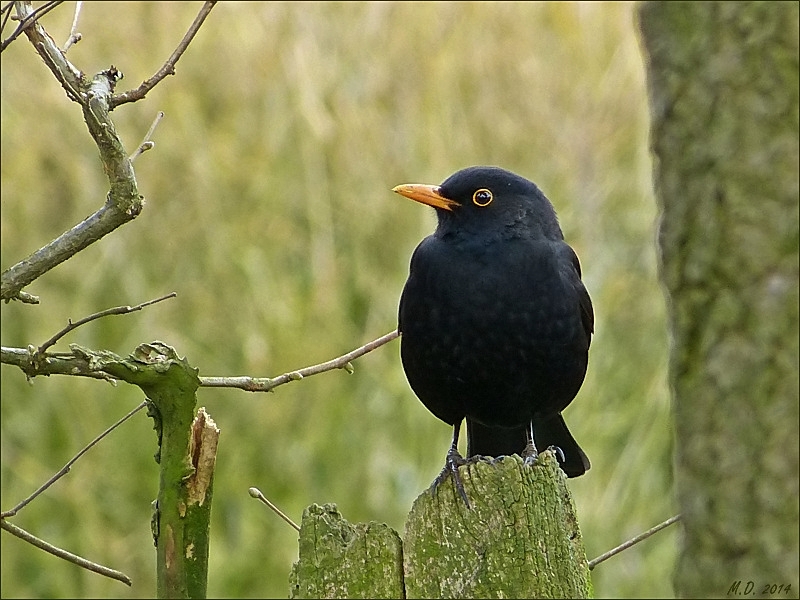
{"x":482,"y":197}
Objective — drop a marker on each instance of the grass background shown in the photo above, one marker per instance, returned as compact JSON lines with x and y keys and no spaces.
{"x":269,"y":211}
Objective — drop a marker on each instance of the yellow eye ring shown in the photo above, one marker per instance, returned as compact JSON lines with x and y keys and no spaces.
{"x":482,"y":197}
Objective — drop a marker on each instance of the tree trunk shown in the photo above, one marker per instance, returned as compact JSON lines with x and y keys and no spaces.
{"x":723,"y":84}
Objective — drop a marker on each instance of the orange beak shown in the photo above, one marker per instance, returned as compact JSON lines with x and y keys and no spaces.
{"x":426,"y":194}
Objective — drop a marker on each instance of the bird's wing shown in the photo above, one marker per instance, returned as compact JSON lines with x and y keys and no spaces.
{"x":587,"y":311}
{"x":418,"y":260}
{"x":401,"y":306}
{"x":400,"y":312}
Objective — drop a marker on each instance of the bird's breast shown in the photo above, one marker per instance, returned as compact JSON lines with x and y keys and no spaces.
{"x":480,"y":323}
{"x":510,"y":288}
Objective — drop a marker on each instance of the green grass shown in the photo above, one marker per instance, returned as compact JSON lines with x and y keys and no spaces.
{"x":269,"y":211}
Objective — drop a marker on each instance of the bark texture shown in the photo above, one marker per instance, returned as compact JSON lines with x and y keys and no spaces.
{"x":723,"y":86}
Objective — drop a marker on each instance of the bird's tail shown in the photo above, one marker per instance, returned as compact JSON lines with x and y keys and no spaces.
{"x":549,"y":431}
{"x":552,"y":431}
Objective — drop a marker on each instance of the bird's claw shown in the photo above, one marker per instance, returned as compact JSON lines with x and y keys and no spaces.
{"x":451,"y":464}
{"x":530,"y":454}
{"x":560,"y":457}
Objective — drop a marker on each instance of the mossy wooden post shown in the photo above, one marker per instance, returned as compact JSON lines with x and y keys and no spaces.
{"x":340,"y":560}
{"x":519,"y":539}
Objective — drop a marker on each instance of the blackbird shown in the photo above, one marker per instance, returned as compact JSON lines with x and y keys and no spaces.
{"x":495,"y":322}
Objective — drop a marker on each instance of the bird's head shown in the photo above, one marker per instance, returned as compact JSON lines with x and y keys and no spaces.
{"x":488,"y":201}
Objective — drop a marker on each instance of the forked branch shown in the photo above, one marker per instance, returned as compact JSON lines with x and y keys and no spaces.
{"x":168,"y":68}
{"x":123,"y":202}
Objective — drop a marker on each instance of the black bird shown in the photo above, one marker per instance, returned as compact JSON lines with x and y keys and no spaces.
{"x":495,"y":321}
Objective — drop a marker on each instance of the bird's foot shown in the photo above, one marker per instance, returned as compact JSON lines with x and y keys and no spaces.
{"x":560,"y":457}
{"x":451,"y":464}
{"x":530,"y":454}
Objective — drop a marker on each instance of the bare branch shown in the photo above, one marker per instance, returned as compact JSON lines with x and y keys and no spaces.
{"x":35,"y":361}
{"x":253,"y":384}
{"x":74,"y":36}
{"x":118,"y":310}
{"x":642,"y":536}
{"x":147,"y":144}
{"x":29,"y":19}
{"x":81,"y":362}
{"x":256,"y":493}
{"x":65,"y":469}
{"x":123,"y":202}
{"x":39,"y":543}
{"x":169,"y":67}
{"x":5,"y":12}
{"x":68,"y":556}
{"x":25,"y":298}
{"x":98,"y":225}
{"x":56,"y":363}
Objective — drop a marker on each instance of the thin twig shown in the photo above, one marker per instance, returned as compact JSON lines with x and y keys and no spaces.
{"x":256,"y":493}
{"x":169,"y":67}
{"x":6,"y":13}
{"x":255,"y":384}
{"x":30,"y":20}
{"x":65,"y":469}
{"x":631,"y":542}
{"x":68,"y":556}
{"x":74,"y":36}
{"x":118,"y":310}
{"x":26,"y":298}
{"x":147,"y":144}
